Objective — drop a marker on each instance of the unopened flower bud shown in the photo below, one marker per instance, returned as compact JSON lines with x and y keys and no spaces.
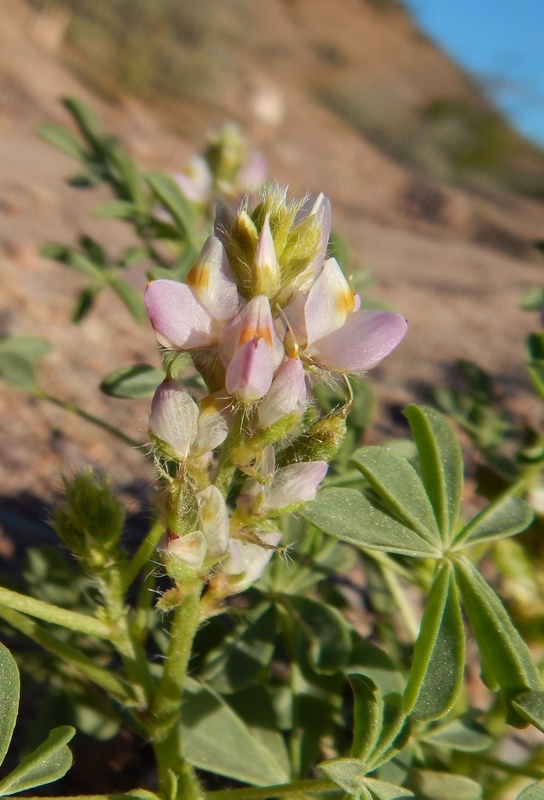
{"x":321,"y":442}
{"x":173,"y":421}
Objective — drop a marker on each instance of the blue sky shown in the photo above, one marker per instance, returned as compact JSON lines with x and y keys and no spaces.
{"x":501,"y":42}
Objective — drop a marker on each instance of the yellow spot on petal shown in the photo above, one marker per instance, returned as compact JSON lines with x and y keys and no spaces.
{"x":199,"y":278}
{"x":345,"y":301}
{"x":260,"y":332}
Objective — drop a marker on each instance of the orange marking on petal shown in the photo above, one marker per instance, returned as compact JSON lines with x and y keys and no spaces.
{"x":249,"y":332}
{"x":345,"y":301}
{"x":199,"y":278}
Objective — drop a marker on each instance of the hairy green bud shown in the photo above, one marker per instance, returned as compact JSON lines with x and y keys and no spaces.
{"x":321,"y":442}
{"x":90,"y":520}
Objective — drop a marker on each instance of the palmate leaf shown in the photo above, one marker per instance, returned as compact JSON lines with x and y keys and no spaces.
{"x":506,"y":660}
{"x":399,"y":486}
{"x":350,"y":516}
{"x":9,"y":698}
{"x":436,"y":675}
{"x":49,"y":762}
{"x":441,"y":465}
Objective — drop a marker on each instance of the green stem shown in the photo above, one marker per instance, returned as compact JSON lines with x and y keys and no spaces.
{"x":58,"y":616}
{"x":79,"y":412}
{"x":142,"y":555}
{"x":130,"y":650}
{"x":165,"y":730}
{"x":268,"y":792}
{"x":102,"y":677}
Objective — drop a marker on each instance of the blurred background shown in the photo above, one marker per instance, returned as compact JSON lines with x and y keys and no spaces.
{"x":409,"y":116}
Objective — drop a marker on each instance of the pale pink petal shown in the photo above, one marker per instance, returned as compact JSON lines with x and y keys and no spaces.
{"x":214,"y":422}
{"x":250,"y":371}
{"x":173,"y":418}
{"x":361,"y":343}
{"x":294,"y":484}
{"x":321,"y":207}
{"x":253,"y":322}
{"x":286,"y":396}
{"x":196,"y":180}
{"x":177,"y":317}
{"x":249,"y":560}
{"x":295,"y":315}
{"x":191,"y":549}
{"x":214,"y":517}
{"x":253,"y":172}
{"x":212,"y":281}
{"x":329,"y":302}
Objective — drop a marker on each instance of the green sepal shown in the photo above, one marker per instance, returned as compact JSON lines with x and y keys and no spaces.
{"x":436,"y":676}
{"x":321,"y":442}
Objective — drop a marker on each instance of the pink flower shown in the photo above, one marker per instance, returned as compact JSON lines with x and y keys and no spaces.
{"x":331,"y":330}
{"x":189,"y":316}
{"x":250,"y":350}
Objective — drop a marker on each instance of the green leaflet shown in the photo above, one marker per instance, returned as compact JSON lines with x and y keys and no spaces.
{"x":141,"y":380}
{"x":326,"y":631}
{"x":367,"y":716}
{"x":533,"y":792}
{"x":436,"y":675}
{"x":464,"y":733}
{"x":9,"y":698}
{"x":530,"y":706}
{"x":170,"y":195}
{"x":505,"y":656}
{"x":441,"y":465}
{"x":350,"y":516}
{"x":429,"y":785}
{"x":506,"y":516}
{"x":49,"y":762}
{"x":397,"y":483}
{"x":216,"y":739}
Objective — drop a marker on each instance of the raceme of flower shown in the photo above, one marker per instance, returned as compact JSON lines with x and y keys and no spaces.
{"x":262,"y":308}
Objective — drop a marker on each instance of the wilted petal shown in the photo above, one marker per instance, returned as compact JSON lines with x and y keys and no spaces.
{"x":253,"y":322}
{"x":191,"y":548}
{"x":212,"y":281}
{"x":361,"y":343}
{"x":294,"y":484}
{"x":174,"y":418}
{"x":214,"y":517}
{"x":248,"y":560}
{"x":286,"y":396}
{"x":177,"y":317}
{"x":250,"y":372}
{"x":329,"y":302}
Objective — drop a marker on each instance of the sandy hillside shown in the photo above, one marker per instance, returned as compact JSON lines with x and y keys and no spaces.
{"x":454,"y":262}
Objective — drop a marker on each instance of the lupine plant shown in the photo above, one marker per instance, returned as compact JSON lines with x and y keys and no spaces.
{"x":231,"y":640}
